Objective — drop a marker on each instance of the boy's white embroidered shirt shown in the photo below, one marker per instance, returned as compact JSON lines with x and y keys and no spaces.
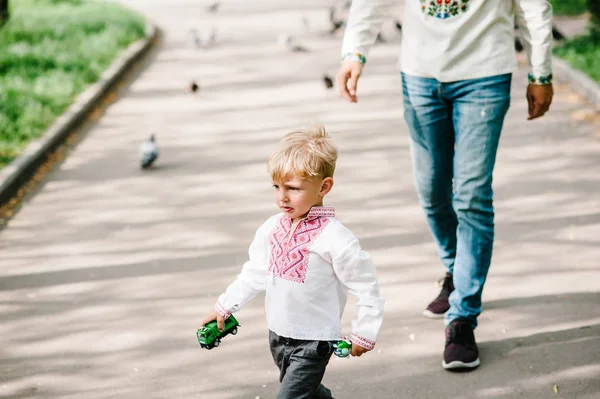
{"x":457,"y":40}
{"x":307,"y":271}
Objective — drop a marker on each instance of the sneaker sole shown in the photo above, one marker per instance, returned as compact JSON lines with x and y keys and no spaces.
{"x":457,"y":364}
{"x":430,"y":315}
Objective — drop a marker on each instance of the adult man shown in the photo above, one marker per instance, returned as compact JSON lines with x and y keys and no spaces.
{"x":457,"y":59}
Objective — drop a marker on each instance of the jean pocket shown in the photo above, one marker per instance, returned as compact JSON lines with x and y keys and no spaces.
{"x":323,"y":349}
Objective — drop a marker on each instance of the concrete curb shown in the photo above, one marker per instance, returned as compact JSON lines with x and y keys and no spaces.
{"x":15,"y":174}
{"x":580,"y":82}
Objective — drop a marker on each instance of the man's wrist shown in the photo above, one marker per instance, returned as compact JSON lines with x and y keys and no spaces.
{"x":354,"y":57}
{"x":539,"y":79}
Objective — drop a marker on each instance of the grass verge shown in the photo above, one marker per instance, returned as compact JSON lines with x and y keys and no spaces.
{"x":583,"y":52}
{"x":50,"y":51}
{"x":569,"y":7}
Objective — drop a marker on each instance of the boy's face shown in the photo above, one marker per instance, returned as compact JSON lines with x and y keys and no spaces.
{"x":295,"y":196}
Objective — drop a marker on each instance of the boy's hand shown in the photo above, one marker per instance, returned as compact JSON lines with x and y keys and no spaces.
{"x":214,"y":315}
{"x":357,"y":350}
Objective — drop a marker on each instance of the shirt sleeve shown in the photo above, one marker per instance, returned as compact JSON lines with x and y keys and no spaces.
{"x":356,"y":271}
{"x":534,"y":18}
{"x":252,"y":278}
{"x":364,"y":24}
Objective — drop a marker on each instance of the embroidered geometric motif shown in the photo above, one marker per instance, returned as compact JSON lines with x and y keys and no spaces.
{"x":443,"y":9}
{"x":289,"y":255}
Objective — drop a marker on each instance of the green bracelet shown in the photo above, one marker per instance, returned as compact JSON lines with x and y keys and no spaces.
{"x":354,"y":57}
{"x":540,"y":80}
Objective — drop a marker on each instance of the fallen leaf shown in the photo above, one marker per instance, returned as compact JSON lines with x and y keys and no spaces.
{"x":556,"y":389}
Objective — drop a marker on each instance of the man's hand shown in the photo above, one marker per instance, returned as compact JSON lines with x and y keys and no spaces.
{"x":347,"y":80}
{"x":539,"y":98}
{"x":214,"y":315}
{"x":357,"y":350}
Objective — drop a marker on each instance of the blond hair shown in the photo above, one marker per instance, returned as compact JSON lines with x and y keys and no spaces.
{"x":311,"y":153}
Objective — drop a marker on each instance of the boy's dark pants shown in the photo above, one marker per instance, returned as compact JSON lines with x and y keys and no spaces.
{"x":302,"y":366}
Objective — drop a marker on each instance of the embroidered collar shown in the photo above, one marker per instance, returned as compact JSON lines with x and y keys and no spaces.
{"x":290,"y":248}
{"x":314,"y":213}
{"x":320,"y":211}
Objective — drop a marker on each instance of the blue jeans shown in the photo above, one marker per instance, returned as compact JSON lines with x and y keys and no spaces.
{"x":454,"y":131}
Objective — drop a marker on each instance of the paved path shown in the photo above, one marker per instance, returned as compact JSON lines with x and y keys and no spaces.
{"x":106,"y":271}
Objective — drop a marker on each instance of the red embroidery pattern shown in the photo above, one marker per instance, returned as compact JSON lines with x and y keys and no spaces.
{"x":289,"y":255}
{"x":365,"y":343}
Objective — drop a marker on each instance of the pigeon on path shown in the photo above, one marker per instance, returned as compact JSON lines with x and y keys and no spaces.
{"x":148,"y":152}
{"x":195,"y":38}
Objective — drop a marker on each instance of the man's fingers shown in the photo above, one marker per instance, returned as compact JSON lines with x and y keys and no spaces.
{"x":539,"y":109}
{"x":341,"y":80}
{"x":353,"y":82}
{"x":530,"y":101}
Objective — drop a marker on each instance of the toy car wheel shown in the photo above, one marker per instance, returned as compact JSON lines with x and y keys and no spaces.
{"x":217,"y":343}
{"x":234,"y":331}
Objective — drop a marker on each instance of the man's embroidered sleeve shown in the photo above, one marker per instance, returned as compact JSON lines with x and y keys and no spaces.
{"x":363,"y":26}
{"x":534,"y":18}
{"x":252,"y":278}
{"x":356,"y":271}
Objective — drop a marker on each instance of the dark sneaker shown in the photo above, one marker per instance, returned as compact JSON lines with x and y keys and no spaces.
{"x":461,"y":349}
{"x":440,"y":305}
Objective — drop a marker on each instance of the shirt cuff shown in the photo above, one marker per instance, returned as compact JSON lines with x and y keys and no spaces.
{"x":360,"y":341}
{"x":354,"y":57}
{"x":539,"y":79}
{"x":222,"y":311}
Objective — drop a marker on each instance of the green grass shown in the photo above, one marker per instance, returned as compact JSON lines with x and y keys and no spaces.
{"x":50,"y":51}
{"x":569,"y":7}
{"x":583,"y":53}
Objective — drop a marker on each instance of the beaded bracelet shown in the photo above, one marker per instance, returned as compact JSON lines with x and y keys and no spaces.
{"x":540,"y":80}
{"x":354,"y":57}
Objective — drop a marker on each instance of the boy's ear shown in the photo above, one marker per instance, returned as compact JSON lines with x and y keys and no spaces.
{"x":326,"y":186}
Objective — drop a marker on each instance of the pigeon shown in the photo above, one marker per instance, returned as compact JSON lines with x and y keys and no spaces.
{"x":214,"y":7}
{"x":336,"y":23}
{"x":193,"y":87}
{"x":148,"y":152}
{"x":331,"y":14}
{"x":195,"y":38}
{"x":556,"y":35}
{"x":296,"y":48}
{"x":287,"y":42}
{"x":518,"y":44}
{"x":212,"y":39}
{"x":327,"y":81}
{"x":305,"y":23}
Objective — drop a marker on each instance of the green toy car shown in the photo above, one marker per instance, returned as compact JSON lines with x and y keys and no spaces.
{"x":210,"y":337}
{"x":342,"y":348}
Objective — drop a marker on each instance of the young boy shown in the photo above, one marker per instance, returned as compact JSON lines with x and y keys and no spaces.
{"x":306,"y":261}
